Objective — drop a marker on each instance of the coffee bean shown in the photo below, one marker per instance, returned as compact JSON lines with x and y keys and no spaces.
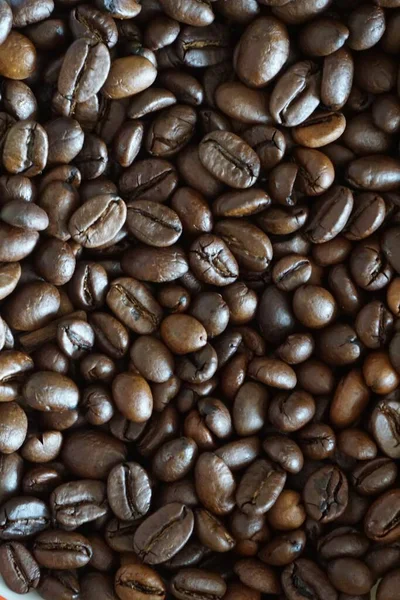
{"x":272,"y":372}
{"x":260,"y":487}
{"x":171,"y":131}
{"x":216,"y":490}
{"x":384,"y":419}
{"x":158,"y":265}
{"x":84,"y":70}
{"x":229,"y":159}
{"x":304,"y":578}
{"x":153,"y":224}
{"x":98,"y":221}
{"x":22,"y":517}
{"x":326,"y":494}
{"x":18,"y":57}
{"x":164,"y":533}
{"x":134,"y":305}
{"x":47,"y":390}
{"x":19,"y":569}
{"x":139,"y":581}
{"x":128,"y":76}
{"x":388,"y":585}
{"x":129,"y":491}
{"x":76,"y":503}
{"x":92,"y":454}
{"x":56,"y":549}
{"x":249,"y":245}
{"x":152,"y":179}
{"x":60,"y":582}
{"x":197,"y":582}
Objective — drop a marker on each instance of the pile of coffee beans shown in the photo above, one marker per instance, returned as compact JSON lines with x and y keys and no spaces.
{"x":200,"y":299}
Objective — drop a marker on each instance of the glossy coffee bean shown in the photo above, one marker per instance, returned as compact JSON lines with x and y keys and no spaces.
{"x":84,"y":444}
{"x":22,"y":517}
{"x":164,"y":533}
{"x":19,"y":569}
{"x":326,"y":494}
{"x":304,"y":574}
{"x":138,"y":581}
{"x":62,"y":549}
{"x":215,"y":151}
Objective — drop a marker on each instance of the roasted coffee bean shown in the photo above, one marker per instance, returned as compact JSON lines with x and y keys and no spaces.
{"x":296,"y":94}
{"x":92,"y":454}
{"x":63,"y":583}
{"x":272,"y":44}
{"x":22,"y":517}
{"x":272,"y":372}
{"x":260,"y":487}
{"x":189,"y":583}
{"x":84,"y":70}
{"x":171,"y":131}
{"x":56,"y":549}
{"x":128,"y":76}
{"x":153,"y":224}
{"x":304,"y":578}
{"x":40,"y":481}
{"x":212,"y":261}
{"x":156,"y":265}
{"x":134,"y":305}
{"x":132,"y":396}
{"x":229,"y":159}
{"x":290,"y":412}
{"x":98,"y":221}
{"x":18,"y":568}
{"x":164,"y":533}
{"x":193,"y":211}
{"x":42,"y":448}
{"x":381,"y":519}
{"x":47,"y":390}
{"x":75,"y":338}
{"x":326,"y":494}
{"x":78,"y":502}
{"x":215,"y":490}
{"x":34,"y":305}
{"x":129,"y":491}
{"x":11,"y":470}
{"x":138,"y":581}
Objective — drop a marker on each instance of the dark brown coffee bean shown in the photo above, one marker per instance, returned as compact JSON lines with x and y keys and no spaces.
{"x":260,"y":487}
{"x":212,"y":262}
{"x":153,"y":224}
{"x":272,"y":44}
{"x":158,"y":265}
{"x":129,"y":491}
{"x":134,"y":305}
{"x":229,"y":159}
{"x":164,"y":533}
{"x":22,"y":517}
{"x":57,"y":549}
{"x":98,"y":221}
{"x":78,"y":502}
{"x":91,"y":454}
{"x":64,"y":583}
{"x":326,"y":494}
{"x":84,"y":70}
{"x":139,"y":581}
{"x":18,"y":568}
{"x":215,"y":485}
